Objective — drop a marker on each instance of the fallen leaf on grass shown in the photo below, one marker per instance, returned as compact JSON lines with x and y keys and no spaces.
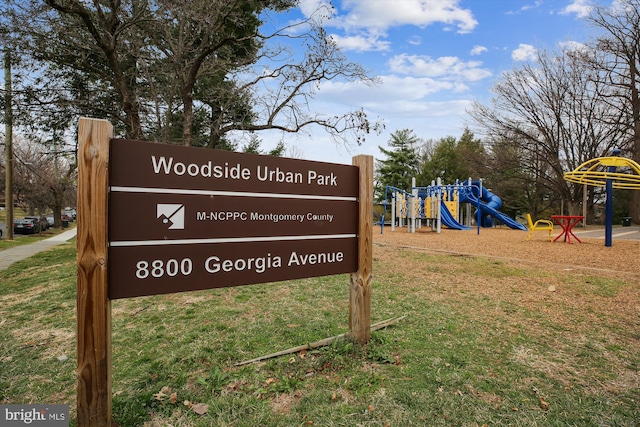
{"x":173,"y":398}
{"x":162,"y":394}
{"x":544,"y":404}
{"x":200,"y":408}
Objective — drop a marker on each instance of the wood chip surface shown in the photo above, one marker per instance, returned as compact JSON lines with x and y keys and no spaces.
{"x":622,"y":256}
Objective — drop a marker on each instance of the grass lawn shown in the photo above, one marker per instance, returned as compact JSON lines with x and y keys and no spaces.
{"x":25,"y":239}
{"x":485,"y":342}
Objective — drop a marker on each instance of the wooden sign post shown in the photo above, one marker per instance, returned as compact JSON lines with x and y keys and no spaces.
{"x":216,"y":219}
{"x":360,"y":286}
{"x":93,"y":305}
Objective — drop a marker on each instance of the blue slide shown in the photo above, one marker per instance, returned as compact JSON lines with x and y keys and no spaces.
{"x":448,"y":220}
{"x":489,"y":204}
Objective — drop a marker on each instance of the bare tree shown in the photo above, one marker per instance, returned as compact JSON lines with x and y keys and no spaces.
{"x":282,"y":95}
{"x":44,"y":179}
{"x":552,"y":110}
{"x":619,"y":59}
{"x":516,"y":174}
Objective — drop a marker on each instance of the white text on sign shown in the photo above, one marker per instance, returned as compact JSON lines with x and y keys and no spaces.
{"x":184,"y":267}
{"x":169,"y":166}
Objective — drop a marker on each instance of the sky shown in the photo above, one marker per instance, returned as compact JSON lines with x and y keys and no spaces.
{"x":434,"y":58}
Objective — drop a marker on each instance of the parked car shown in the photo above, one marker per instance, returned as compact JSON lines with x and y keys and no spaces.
{"x":50,"y":220}
{"x":71,"y":213}
{"x":26,"y":226}
{"x":3,"y":230}
{"x":42,"y":222}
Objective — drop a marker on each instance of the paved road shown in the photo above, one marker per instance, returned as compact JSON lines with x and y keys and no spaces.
{"x":18,"y":253}
{"x":617,"y":233}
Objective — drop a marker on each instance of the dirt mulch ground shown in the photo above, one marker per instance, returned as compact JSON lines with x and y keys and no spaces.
{"x":620,"y":258}
{"x":567,"y":293}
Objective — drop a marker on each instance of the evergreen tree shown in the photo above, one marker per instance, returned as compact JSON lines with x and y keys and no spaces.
{"x":185,"y":71}
{"x":402,"y":162}
{"x":443,"y":163}
{"x":472,"y":156}
{"x":453,"y":160}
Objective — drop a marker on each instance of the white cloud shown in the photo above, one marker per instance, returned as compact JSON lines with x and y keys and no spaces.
{"x":361,"y":43}
{"x":393,"y":89}
{"x":581,"y":8}
{"x":403,"y":102}
{"x":365,"y":21}
{"x":622,"y":7}
{"x":415,"y":40}
{"x":524,"y":52}
{"x":446,"y":67}
{"x":478,"y":50}
{"x":384,"y":14}
{"x":573,"y":46}
{"x":311,"y":7}
{"x":535,"y":5}
{"x":531,"y":6}
{"x":526,"y":7}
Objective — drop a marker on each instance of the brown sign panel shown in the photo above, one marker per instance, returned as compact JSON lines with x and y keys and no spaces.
{"x":184,"y":218}
{"x":152,"y":270}
{"x":153,"y":165}
{"x":149,"y":216}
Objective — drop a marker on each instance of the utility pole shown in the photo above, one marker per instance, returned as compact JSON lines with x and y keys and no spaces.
{"x":8,"y":185}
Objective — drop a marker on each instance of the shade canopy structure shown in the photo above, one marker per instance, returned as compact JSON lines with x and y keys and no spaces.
{"x":624,"y":173}
{"x":609,"y":172}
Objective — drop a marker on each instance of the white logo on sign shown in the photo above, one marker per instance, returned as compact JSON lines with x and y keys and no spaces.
{"x":172,"y":214}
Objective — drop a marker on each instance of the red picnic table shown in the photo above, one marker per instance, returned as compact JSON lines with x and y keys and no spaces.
{"x":567,"y":222}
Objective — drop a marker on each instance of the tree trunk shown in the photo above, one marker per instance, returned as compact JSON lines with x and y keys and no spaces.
{"x":634,"y":200}
{"x":134,"y":130}
{"x":9,"y":158}
{"x":187,"y":118}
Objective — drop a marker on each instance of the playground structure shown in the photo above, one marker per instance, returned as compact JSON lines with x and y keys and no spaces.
{"x":609,"y":172}
{"x":448,"y":205}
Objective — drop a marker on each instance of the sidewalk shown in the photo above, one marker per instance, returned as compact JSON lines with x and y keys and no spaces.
{"x":18,"y":253}
{"x":617,"y":233}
